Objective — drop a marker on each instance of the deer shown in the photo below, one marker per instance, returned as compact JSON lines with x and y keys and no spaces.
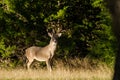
{"x":45,"y":53}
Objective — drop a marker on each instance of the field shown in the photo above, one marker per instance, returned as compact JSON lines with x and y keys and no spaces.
{"x":60,"y":72}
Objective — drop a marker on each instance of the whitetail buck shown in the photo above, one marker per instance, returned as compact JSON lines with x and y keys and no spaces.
{"x":43,"y":53}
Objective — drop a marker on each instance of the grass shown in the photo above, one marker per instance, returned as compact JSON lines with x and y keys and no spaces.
{"x":61,"y":72}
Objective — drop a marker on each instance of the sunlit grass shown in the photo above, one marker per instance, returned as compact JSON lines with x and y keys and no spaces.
{"x":100,"y":72}
{"x":58,"y":74}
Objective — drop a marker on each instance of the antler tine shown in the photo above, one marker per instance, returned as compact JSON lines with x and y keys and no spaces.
{"x":59,"y":30}
{"x":53,"y":30}
{"x":47,"y":30}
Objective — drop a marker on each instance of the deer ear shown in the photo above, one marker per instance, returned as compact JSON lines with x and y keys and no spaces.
{"x":50,"y":34}
{"x":59,"y":34}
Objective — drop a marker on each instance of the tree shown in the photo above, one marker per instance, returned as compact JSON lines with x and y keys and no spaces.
{"x":115,"y":11}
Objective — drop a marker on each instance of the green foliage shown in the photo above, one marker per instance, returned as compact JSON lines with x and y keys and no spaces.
{"x":6,"y":52}
{"x":60,"y":15}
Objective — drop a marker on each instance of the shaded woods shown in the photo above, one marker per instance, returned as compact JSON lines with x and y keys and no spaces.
{"x":86,"y":25}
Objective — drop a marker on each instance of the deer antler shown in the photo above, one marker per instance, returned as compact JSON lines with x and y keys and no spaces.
{"x":59,"y":30}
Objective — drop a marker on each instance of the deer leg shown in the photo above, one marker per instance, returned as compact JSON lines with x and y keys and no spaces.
{"x":48,"y":62}
{"x":29,"y":63}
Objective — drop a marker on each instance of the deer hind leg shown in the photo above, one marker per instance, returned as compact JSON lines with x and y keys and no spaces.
{"x":48,"y":63}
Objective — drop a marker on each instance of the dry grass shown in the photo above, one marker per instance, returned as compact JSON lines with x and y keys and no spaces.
{"x":101,"y":72}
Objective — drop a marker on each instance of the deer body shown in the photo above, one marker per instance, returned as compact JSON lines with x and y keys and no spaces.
{"x":42,"y":53}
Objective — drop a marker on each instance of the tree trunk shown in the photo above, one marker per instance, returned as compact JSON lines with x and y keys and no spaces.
{"x":114,"y":7}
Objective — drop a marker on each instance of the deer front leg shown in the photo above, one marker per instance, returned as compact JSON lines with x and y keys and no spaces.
{"x":29,"y":63}
{"x":48,"y":63}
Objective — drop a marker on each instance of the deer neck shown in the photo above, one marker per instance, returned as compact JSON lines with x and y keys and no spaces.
{"x":52,"y":45}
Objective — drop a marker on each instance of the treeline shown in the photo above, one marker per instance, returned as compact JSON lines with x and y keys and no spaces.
{"x":86,"y":25}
